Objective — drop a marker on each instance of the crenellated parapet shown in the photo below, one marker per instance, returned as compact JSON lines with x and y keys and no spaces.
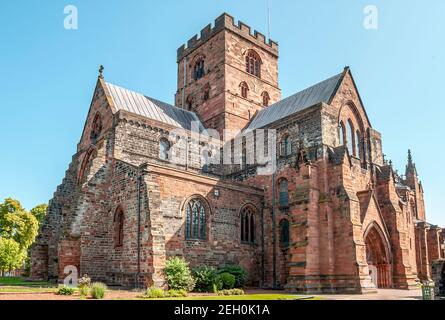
{"x":227,"y":22}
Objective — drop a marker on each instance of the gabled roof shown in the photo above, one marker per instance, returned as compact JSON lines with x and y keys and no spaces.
{"x":321,"y":92}
{"x":124,"y":99}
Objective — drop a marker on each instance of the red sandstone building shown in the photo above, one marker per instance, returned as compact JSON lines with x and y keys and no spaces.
{"x":333,"y":217}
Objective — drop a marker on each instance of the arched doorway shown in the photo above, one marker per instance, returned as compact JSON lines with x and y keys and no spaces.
{"x":378,"y":257}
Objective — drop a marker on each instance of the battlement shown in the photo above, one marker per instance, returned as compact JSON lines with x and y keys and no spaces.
{"x":227,"y":22}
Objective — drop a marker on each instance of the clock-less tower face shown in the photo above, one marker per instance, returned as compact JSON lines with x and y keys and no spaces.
{"x":227,"y":75}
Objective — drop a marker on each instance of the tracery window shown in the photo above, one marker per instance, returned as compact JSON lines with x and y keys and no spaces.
{"x":196,"y":220}
{"x":198,"y":70}
{"x":248,"y":224}
{"x":253,"y":63}
{"x":244,"y":90}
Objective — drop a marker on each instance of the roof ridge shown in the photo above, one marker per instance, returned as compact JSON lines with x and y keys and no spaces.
{"x":308,"y":97}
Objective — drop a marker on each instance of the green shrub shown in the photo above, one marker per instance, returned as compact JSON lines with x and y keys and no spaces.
{"x":98,"y":290}
{"x":178,"y":274}
{"x":176,"y":293}
{"x":66,"y":291}
{"x":84,"y":290}
{"x":228,"y":280}
{"x":205,"y":278}
{"x":155,"y":293}
{"x":239,"y":273}
{"x":231,"y":292}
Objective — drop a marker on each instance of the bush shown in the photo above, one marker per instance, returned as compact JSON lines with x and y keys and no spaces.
{"x":232,"y":292}
{"x":237,"y":271}
{"x":155,"y":293}
{"x":178,"y":275}
{"x":176,"y":293}
{"x":66,"y":291}
{"x":228,"y":280}
{"x":205,"y":278}
{"x":98,"y":290}
{"x":84,"y":291}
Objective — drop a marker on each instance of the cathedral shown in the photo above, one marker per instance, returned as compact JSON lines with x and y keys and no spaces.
{"x":297,"y":191}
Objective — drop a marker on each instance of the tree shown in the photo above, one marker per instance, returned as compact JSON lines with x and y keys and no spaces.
{"x":39,"y":212}
{"x":17,"y":224}
{"x":11,"y":255}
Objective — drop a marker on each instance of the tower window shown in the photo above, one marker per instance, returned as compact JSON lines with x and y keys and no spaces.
{"x":253,"y":63}
{"x":244,"y":90}
{"x":266,"y":99}
{"x":198,"y":70}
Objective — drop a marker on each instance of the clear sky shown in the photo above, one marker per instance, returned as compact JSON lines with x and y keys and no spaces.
{"x":48,"y":73}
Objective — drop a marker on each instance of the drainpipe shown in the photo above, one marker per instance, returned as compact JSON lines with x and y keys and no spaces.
{"x":274,"y":253}
{"x":142,"y":170}
{"x":262,"y":247}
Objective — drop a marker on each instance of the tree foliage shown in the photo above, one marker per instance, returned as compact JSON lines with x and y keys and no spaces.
{"x":39,"y":212}
{"x":18,"y":230}
{"x":11,"y":255}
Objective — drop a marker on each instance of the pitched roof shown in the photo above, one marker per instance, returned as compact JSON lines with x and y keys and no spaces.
{"x":321,"y":92}
{"x":124,"y":99}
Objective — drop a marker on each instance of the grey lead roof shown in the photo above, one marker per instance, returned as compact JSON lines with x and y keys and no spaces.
{"x":137,"y":103}
{"x":321,"y":92}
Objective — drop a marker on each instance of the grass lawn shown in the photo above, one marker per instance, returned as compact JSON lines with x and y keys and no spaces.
{"x":257,"y":297}
{"x":19,"y":285}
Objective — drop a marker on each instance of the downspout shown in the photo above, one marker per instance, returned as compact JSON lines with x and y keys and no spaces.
{"x":263,"y":255}
{"x":274,"y":253}
{"x":142,"y":170}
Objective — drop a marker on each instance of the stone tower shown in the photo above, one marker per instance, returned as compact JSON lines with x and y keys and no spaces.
{"x":230,"y":74}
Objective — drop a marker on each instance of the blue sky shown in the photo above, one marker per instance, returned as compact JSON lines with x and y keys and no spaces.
{"x":47,"y":73}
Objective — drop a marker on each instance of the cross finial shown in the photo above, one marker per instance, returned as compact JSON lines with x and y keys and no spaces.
{"x":101,"y":71}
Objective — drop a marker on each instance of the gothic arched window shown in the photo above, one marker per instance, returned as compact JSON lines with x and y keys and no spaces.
{"x":283,"y":193}
{"x":266,"y":99}
{"x":248,"y":225}
{"x":286,"y":146}
{"x":96,"y":127}
{"x":164,"y":149}
{"x":359,"y":148}
{"x":118,"y":228}
{"x":342,"y":133}
{"x":284,"y":233}
{"x":350,"y":139}
{"x":253,"y":63}
{"x":244,"y":90}
{"x":198,"y":70}
{"x":195,"y":220}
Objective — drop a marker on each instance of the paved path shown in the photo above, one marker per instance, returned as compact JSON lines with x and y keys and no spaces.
{"x":383,"y":294}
